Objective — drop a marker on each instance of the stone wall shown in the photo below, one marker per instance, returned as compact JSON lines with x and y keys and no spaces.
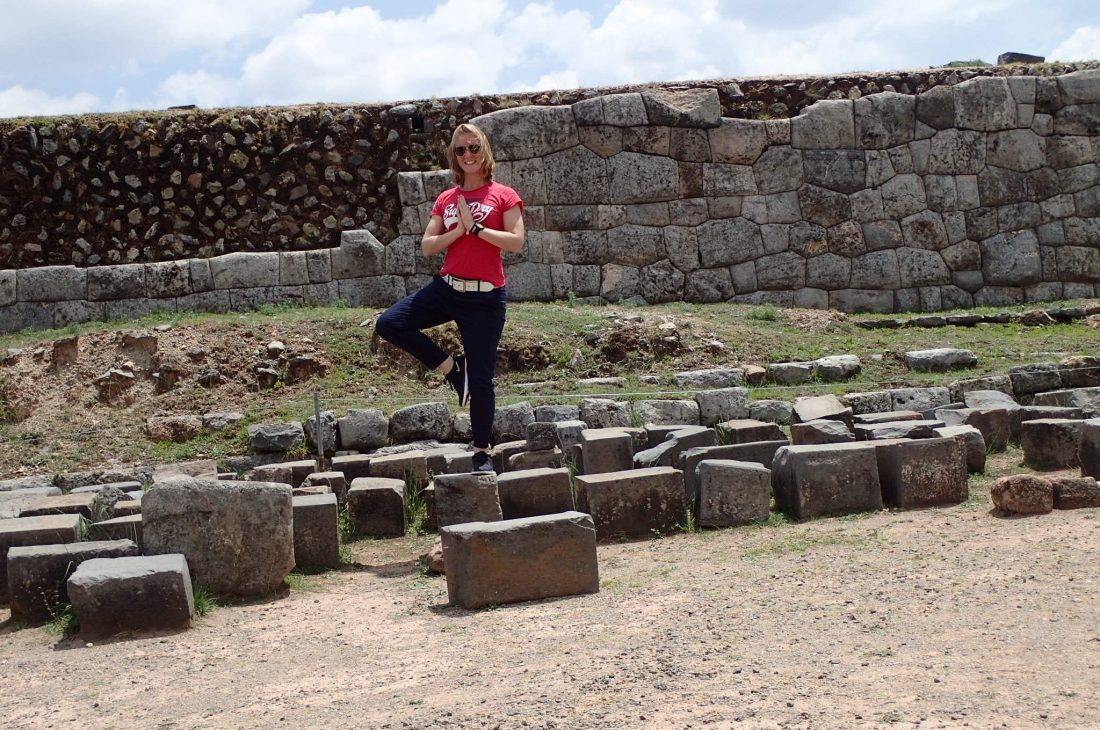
{"x":983,"y":193}
{"x":910,"y":190}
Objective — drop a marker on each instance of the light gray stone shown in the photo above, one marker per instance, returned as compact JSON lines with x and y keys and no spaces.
{"x":826,"y":124}
{"x":728,"y":242}
{"x":918,"y":399}
{"x":511,"y":421}
{"x":1011,"y":259}
{"x":844,"y":171}
{"x":635,"y":178}
{"x":732,"y":492}
{"x":903,"y":195}
{"x":884,"y":120}
{"x":940,"y":359}
{"x":359,"y":255}
{"x":132,"y":593}
{"x":529,"y":131}
{"x":363,"y":429}
{"x":1016,"y":149}
{"x":245,"y":270}
{"x":421,"y":421}
{"x":168,"y":279}
{"x":376,"y":507}
{"x":778,"y":170}
{"x":924,"y":473}
{"x":125,"y":281}
{"x":275,"y":437}
{"x":698,"y":108}
{"x":738,"y":141}
{"x":51,"y":284}
{"x":667,"y":411}
{"x":818,"y":481}
{"x":837,"y":368}
{"x":722,"y":404}
{"x":985,"y":104}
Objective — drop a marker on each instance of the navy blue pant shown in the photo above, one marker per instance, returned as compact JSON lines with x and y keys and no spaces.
{"x":480,"y":320}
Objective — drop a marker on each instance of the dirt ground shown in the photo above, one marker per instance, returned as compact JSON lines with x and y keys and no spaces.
{"x":933,"y":618}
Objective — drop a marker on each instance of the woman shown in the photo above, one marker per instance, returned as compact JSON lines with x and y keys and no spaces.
{"x":473,"y":222}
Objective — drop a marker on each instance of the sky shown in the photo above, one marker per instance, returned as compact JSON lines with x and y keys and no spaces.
{"x":77,"y":56}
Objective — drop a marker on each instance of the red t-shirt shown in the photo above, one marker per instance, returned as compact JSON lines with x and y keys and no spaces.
{"x":469,"y":257}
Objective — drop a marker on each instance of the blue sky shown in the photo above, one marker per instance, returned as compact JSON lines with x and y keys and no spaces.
{"x":73,"y":56}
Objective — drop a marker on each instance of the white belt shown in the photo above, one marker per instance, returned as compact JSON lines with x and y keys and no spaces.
{"x":468,"y":285}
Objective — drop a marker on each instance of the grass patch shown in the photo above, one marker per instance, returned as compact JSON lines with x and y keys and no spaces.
{"x":63,"y":621}
{"x":205,"y":601}
{"x":416,"y":508}
{"x":803,"y":541}
{"x":763,"y":313}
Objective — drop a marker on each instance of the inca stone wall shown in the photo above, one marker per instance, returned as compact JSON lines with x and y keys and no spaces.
{"x":902,"y":191}
{"x":980,"y":193}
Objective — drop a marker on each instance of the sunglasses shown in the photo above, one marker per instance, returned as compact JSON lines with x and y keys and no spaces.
{"x":474,"y":149}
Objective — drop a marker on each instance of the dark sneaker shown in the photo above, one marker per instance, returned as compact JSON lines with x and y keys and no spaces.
{"x":482,"y":462}
{"x":459,"y":380}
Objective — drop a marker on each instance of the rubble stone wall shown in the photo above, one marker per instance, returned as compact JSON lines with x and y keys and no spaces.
{"x":904,"y":191}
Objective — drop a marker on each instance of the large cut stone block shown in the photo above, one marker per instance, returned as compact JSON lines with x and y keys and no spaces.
{"x":534,"y":492}
{"x":824,"y":125}
{"x":633,"y":503}
{"x":1032,"y":413}
{"x":469,"y":497}
{"x":507,"y":561}
{"x":821,"y":431}
{"x":755,"y":452}
{"x":606,"y":450}
{"x":376,"y":507}
{"x":1075,"y":492}
{"x":1027,"y":494}
{"x":819,"y":481}
{"x":910,"y":429}
{"x":972,"y":442}
{"x":238,"y":536}
{"x":316,"y":531}
{"x":409,"y":465}
{"x":245,"y":270}
{"x":814,"y":407}
{"x":127,"y":527}
{"x":1088,"y":448}
{"x":527,"y":132}
{"x":994,"y":423}
{"x":37,"y":573}
{"x":1051,"y":443}
{"x":122,"y":594}
{"x":62,"y":504}
{"x":732,"y":492}
{"x":334,"y":481}
{"x":45,"y":530}
{"x":748,"y":430}
{"x":922,"y":473}
{"x":667,"y":452}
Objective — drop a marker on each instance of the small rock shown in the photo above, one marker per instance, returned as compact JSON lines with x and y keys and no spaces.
{"x":1023,"y":494}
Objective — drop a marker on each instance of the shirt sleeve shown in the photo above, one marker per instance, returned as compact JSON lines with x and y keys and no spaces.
{"x":440,"y":204}
{"x":510,"y":199}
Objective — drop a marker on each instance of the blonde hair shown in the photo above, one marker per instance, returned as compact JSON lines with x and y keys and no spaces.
{"x":487,"y":161}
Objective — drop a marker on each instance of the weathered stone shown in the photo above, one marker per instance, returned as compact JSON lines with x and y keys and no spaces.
{"x":732,"y":492}
{"x":376,"y":507}
{"x":527,"y":132}
{"x":972,"y":443}
{"x":316,"y":531}
{"x":275,"y":437}
{"x":993,"y":423}
{"x":667,"y":411}
{"x":884,"y":120}
{"x":909,"y":429}
{"x":818,"y":481}
{"x":1075,"y":492}
{"x":633,"y":503}
{"x":738,"y":141}
{"x":534,"y":492}
{"x":131,"y":593}
{"x":790,"y":373}
{"x":64,"y":504}
{"x":1034,"y":378}
{"x":1088,"y":448}
{"x":770,"y":410}
{"x":918,"y":399}
{"x":407,"y":466}
{"x":1023,"y":494}
{"x":922,"y":473}
{"x":238,"y":536}
{"x":1051,"y":443}
{"x":421,"y":421}
{"x":825,"y":125}
{"x":815,"y":407}
{"x":698,"y":108}
{"x":51,"y":284}
{"x":363,"y":429}
{"x":940,"y":359}
{"x":37,"y":574}
{"x":638,"y":178}
{"x":461,"y":498}
{"x":820,"y":432}
{"x":606,"y":450}
{"x":778,"y":170}
{"x":742,"y":431}
{"x":667,"y":451}
{"x":510,"y":422}
{"x":604,"y":413}
{"x":903,"y":195}
{"x":722,"y":404}
{"x":837,"y":368}
{"x":984,"y":103}
{"x":333,"y":482}
{"x":490,"y":563}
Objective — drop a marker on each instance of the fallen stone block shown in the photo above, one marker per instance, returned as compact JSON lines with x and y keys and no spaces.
{"x":436,"y":459}
{"x":771,"y":411}
{"x":557,"y":413}
{"x":837,"y":368}
{"x":748,"y":430}
{"x":719,"y":378}
{"x":940,"y":360}
{"x":821,"y":432}
{"x":1080,"y":371}
{"x":466,"y":498}
{"x":1025,"y":494}
{"x":605,"y":450}
{"x":633,"y":503}
{"x":194,"y":468}
{"x":1075,"y":492}
{"x":732,"y":492}
{"x":1033,"y":413}
{"x":546,"y":459}
{"x":822,"y":481}
{"x":334,"y":481}
{"x":109,"y":595}
{"x":352,"y":466}
{"x":1088,"y":448}
{"x":409,"y":465}
{"x":376,"y":507}
{"x":790,"y":373}
{"x":972,"y":442}
{"x":923,"y":429}
{"x":528,"y":559}
{"x":722,"y":404}
{"x":569,"y":433}
{"x":11,"y":503}
{"x":65,"y":504}
{"x":887,"y":417}
{"x":238,"y":536}
{"x":1001,"y":398}
{"x":818,"y":407}
{"x":37,"y":574}
{"x":918,"y":399}
{"x":600,"y":413}
{"x":316,"y":531}
{"x":1051,"y":443}
{"x":667,"y":411}
{"x":542,"y":435}
{"x":667,"y":453}
{"x":877,"y":401}
{"x":127,"y":527}
{"x":363,"y":429}
{"x":922,"y":473}
{"x":276,"y":437}
{"x":994,"y":424}
{"x":534,"y":492}
{"x":458,"y":462}
{"x":502,"y":453}
{"x":1086,"y":399}
{"x":121,"y":486}
{"x":756,"y":452}
{"x":23,"y":531}
{"x":1036,"y":378}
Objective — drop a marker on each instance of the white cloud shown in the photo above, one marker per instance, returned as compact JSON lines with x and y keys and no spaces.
{"x":1083,"y":45}
{"x":127,"y":34}
{"x":17,"y":101}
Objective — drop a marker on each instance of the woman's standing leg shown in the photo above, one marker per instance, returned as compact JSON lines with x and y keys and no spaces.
{"x":480,"y":317}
